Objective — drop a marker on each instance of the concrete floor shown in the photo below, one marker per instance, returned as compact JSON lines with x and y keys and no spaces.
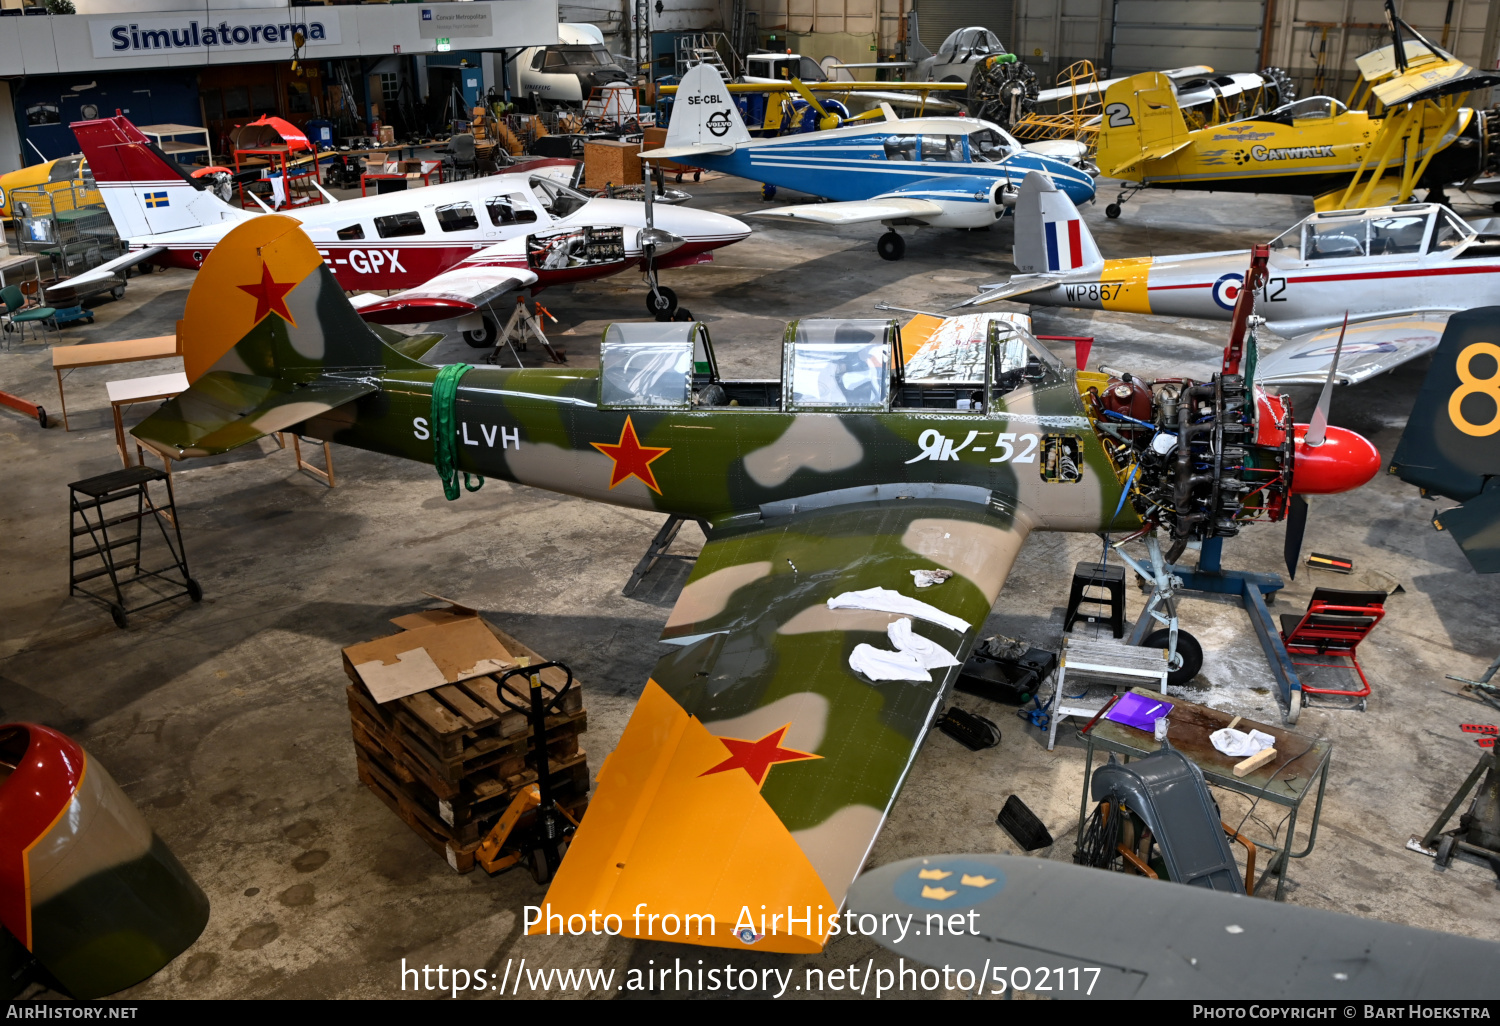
{"x":226,"y":721}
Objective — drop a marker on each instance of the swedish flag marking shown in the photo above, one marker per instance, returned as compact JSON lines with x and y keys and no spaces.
{"x":157,"y":199}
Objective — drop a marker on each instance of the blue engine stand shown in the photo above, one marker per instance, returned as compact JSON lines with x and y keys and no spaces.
{"x":1210,"y":576}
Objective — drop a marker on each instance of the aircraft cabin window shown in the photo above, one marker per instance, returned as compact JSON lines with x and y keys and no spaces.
{"x":946,"y":149}
{"x":456,"y":217}
{"x":841,"y":374}
{"x":555,"y":61}
{"x":1392,"y":236}
{"x":395,"y":226}
{"x":1448,"y":233}
{"x":506,"y":210}
{"x":64,"y":169}
{"x":1335,"y":240}
{"x":901,"y":147}
{"x":988,"y":144}
{"x":351,"y":233}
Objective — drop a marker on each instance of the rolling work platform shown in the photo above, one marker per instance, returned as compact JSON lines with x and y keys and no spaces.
{"x":106,"y":543}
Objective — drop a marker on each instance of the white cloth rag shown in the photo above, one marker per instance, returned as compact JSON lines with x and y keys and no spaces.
{"x":878,"y":664}
{"x":930,"y":654}
{"x":887,"y":601}
{"x":914,"y":656}
{"x":1236,"y":743}
{"x":927,"y":578}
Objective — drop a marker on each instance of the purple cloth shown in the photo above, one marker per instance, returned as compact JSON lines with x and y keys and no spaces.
{"x":1138,"y":711}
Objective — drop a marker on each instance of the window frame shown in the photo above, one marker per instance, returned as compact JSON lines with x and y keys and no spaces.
{"x":421,"y":225}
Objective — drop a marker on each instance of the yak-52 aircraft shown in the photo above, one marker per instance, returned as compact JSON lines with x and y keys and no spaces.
{"x":805,"y":666}
{"x":948,"y":172}
{"x":1398,"y":272}
{"x":454,"y":248}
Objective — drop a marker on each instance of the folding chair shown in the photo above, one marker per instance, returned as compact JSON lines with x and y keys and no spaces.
{"x":1331,"y":629}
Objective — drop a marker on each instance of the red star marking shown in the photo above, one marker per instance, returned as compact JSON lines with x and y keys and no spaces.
{"x":757,"y":757}
{"x":632,"y":459}
{"x":270,"y":296}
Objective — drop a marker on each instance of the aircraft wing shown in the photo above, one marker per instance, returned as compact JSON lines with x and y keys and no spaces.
{"x":1020,"y":911}
{"x":225,"y":409}
{"x":457,"y":291}
{"x":1019,"y":285}
{"x":1159,"y":152}
{"x":758,"y":767}
{"x":1090,"y":88}
{"x":1371,"y":347}
{"x":854,"y":211}
{"x":109,"y":268}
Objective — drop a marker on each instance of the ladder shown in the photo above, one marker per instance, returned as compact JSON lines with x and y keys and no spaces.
{"x":694,"y":48}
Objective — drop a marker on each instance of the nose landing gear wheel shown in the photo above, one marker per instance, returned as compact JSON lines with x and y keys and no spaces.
{"x":1113,"y":210}
{"x":1189,"y":654}
{"x":891,"y":246}
{"x":662,"y":303}
{"x":484,"y":338}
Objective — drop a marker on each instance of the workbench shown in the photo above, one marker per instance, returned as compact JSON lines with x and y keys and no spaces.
{"x":1284,"y":782}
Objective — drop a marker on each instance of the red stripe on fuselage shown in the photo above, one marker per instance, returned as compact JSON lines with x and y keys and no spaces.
{"x":1368,"y":276}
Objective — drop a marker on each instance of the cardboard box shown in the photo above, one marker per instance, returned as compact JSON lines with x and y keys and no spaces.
{"x":436,"y":648}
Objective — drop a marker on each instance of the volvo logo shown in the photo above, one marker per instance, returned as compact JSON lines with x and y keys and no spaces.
{"x":718,"y":123}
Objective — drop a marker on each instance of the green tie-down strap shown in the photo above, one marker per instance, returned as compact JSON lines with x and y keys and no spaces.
{"x":445,"y":431}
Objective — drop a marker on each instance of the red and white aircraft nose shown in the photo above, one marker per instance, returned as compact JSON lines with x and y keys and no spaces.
{"x":1344,"y":461}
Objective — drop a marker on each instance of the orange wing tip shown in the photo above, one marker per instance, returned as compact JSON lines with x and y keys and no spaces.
{"x":663,"y":838}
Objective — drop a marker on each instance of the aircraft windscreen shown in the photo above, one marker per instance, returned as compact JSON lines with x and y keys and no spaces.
{"x":558,"y":199}
{"x":646,"y":365}
{"x":991,"y":144}
{"x":1449,"y":233}
{"x":1309,"y":107}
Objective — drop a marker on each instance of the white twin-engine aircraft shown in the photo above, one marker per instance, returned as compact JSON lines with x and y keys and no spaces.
{"x":1399,"y":272}
{"x":454,"y":248}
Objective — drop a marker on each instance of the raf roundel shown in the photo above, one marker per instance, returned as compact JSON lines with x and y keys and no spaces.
{"x":1227,"y":290}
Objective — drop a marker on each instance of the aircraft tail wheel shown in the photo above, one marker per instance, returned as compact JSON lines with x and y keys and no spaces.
{"x":1113,"y":210}
{"x":891,"y":246}
{"x":768,"y":192}
{"x":1189,"y":654}
{"x":662,"y":303}
{"x":485,"y":337}
{"x":1294,"y":708}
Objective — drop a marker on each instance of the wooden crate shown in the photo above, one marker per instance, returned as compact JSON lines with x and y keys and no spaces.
{"x":449,"y":761}
{"x":611,"y":162}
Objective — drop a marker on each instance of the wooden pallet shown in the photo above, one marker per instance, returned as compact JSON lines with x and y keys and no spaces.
{"x":449,"y":761}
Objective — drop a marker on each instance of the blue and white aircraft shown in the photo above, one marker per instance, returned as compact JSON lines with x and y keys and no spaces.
{"x":947,"y":172}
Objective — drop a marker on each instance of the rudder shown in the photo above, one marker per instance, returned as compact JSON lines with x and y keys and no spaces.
{"x":704,"y":114}
{"x":1141,"y":122}
{"x":1050,"y":235}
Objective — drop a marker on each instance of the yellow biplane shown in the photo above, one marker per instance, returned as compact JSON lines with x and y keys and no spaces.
{"x":1416,"y":135}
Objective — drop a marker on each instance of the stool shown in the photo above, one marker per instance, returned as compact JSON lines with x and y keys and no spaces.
{"x":1097,"y":575}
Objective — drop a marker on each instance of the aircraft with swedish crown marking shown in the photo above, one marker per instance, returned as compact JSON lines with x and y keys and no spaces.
{"x":452,"y":248}
{"x":759,"y":763}
{"x":947,"y":172}
{"x":1397,"y":272}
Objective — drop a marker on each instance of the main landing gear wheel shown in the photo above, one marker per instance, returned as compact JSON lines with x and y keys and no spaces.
{"x":484,"y":338}
{"x":1189,"y":654}
{"x":662,"y":303}
{"x":1113,"y":210}
{"x":891,"y":246}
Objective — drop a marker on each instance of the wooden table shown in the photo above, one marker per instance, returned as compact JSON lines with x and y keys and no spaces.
{"x":66,"y":359}
{"x":140,"y":390}
{"x":12,"y":262}
{"x":1285,"y":781}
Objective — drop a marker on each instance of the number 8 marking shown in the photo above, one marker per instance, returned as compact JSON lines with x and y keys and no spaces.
{"x":1470,"y":385}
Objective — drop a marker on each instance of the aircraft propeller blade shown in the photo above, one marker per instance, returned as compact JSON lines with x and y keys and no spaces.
{"x":1296,"y":527}
{"x":1317,"y":428}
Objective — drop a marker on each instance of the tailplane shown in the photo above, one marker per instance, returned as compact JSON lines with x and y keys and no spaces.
{"x":704,"y":117}
{"x":1141,"y":122}
{"x":268,"y":341}
{"x":1050,"y":234}
{"x":144,"y":191}
{"x":1451,"y":445}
